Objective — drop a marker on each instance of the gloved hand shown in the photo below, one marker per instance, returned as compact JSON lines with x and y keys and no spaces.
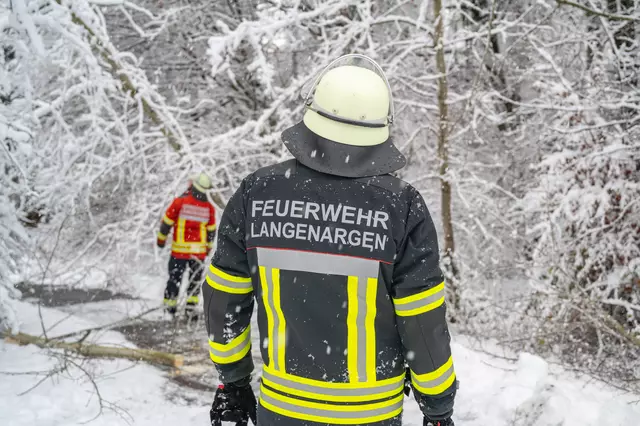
{"x":234,"y":403}
{"x":445,"y":422}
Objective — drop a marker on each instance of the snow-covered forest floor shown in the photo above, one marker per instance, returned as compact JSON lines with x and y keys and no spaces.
{"x":494,"y":389}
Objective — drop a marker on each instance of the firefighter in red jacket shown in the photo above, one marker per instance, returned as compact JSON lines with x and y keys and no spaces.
{"x":193,"y":220}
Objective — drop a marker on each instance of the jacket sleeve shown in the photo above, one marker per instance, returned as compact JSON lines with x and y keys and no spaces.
{"x":211,"y":228}
{"x":228,"y":297}
{"x":168,"y":220}
{"x":418,"y":298}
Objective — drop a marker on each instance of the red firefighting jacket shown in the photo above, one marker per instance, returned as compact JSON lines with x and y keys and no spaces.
{"x":193,"y":220}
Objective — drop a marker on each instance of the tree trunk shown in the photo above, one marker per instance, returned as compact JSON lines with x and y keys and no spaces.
{"x":96,"y":351}
{"x":443,"y":153}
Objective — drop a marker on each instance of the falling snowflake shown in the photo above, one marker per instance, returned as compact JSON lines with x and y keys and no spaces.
{"x":287,"y":174}
{"x":346,"y":160}
{"x":313,"y":153}
{"x":411,"y":355}
{"x":328,"y":350}
{"x":265,"y":343}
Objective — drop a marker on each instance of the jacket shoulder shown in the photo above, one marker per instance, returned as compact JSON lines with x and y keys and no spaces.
{"x":389,"y":183}
{"x":288,"y":167}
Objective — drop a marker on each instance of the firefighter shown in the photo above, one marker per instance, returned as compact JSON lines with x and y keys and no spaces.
{"x":193,"y":220}
{"x":342,"y":261}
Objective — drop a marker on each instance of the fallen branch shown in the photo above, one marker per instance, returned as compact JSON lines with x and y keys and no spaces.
{"x":597,"y":12}
{"x":97,"y":351}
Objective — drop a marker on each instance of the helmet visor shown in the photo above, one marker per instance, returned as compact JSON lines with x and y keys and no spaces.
{"x":356,"y":60}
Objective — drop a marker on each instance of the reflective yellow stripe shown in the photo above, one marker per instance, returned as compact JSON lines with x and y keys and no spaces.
{"x":419,"y":303}
{"x":421,"y":310}
{"x":227,"y":283}
{"x":267,"y":309}
{"x":180,"y":231}
{"x":161,"y":236}
{"x":333,"y":414}
{"x":370,"y":328}
{"x":227,"y":289}
{"x":352,"y":328}
{"x":332,"y":407}
{"x":225,"y":347}
{"x":210,"y":245}
{"x":168,"y":221}
{"x":222,"y":274}
{"x":338,"y":395}
{"x":228,"y":360}
{"x":212,"y":227}
{"x":203,"y":232}
{"x":282,"y":326}
{"x":193,"y":299}
{"x":419,"y":296}
{"x":436,"y":382}
{"x":191,"y":249}
{"x":170,"y":302}
{"x":334,"y":385}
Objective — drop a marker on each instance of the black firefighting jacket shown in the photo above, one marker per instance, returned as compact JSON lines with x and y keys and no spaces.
{"x":345,"y":274}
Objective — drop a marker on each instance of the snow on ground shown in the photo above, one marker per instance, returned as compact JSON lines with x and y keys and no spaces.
{"x":493,"y":391}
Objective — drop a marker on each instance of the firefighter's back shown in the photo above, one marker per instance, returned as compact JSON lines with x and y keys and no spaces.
{"x":323,"y":248}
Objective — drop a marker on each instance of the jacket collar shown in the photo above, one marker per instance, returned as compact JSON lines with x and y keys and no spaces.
{"x":338,"y":159}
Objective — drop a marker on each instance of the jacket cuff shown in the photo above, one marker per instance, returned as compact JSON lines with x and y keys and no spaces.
{"x":232,"y":373}
{"x":437,"y":408}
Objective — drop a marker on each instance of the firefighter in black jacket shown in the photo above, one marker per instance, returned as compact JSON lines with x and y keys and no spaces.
{"x":342,"y":260}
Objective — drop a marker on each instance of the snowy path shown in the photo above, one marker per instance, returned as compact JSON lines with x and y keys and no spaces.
{"x":494,"y":392}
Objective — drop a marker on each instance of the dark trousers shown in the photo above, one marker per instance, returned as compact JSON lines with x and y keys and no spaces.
{"x":177,"y":268}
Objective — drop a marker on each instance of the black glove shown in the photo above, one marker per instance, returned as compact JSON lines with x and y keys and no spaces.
{"x":234,"y":403}
{"x":407,"y":382}
{"x":445,"y":422}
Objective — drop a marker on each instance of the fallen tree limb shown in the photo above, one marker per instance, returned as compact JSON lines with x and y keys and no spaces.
{"x":105,"y":327}
{"x":97,"y":351}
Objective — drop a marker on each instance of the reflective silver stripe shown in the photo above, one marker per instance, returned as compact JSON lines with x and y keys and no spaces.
{"x":319,"y":391}
{"x":319,"y":263}
{"x":362,"y":330}
{"x":194,"y":218}
{"x":433,"y":382}
{"x":420,"y":303}
{"x":227,"y":283}
{"x":360,"y":414}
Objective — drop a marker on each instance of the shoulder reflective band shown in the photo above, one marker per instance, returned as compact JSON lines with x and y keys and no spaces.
{"x":227,"y":283}
{"x":436,"y":382}
{"x":233,"y":351}
{"x":419,"y":303}
{"x":331,"y":391}
{"x":353,"y":414}
{"x":211,"y":227}
{"x":168,"y":221}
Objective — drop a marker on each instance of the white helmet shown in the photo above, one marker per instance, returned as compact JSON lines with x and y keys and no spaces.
{"x":201,"y":182}
{"x":350,"y":102}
